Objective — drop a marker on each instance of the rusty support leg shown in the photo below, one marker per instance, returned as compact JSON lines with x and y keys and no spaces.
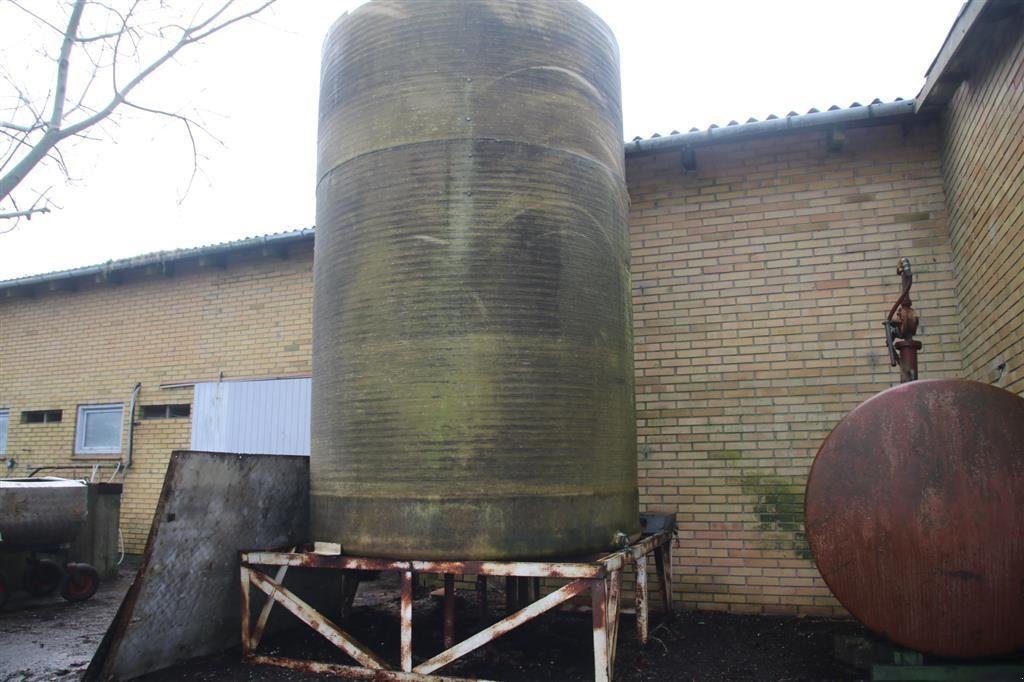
{"x":668,"y":577}
{"x":523,"y":592}
{"x":349,"y":586}
{"x":663,"y":562}
{"x":614,"y":582}
{"x":510,"y":594}
{"x":246,"y":641}
{"x":449,"y":610}
{"x":407,"y":621}
{"x":481,"y":596}
{"x":599,"y":614}
{"x":642,"y":599}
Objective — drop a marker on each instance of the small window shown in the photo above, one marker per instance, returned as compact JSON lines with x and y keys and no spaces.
{"x":98,"y":431}
{"x":4,"y":418}
{"x":165,"y":411}
{"x":40,"y":416}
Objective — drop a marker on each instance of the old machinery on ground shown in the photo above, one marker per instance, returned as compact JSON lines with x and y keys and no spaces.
{"x":915,"y":504}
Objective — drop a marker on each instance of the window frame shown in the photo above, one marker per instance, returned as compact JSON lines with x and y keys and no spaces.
{"x":5,"y":426}
{"x":48,"y":416}
{"x":167,"y":411}
{"x":83,"y":450}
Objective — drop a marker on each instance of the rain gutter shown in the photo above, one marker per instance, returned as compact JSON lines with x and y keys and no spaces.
{"x":852,"y":116}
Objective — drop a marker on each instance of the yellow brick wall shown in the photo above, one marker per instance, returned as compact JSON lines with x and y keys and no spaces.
{"x":983,"y":165}
{"x":60,"y":350}
{"x":760,"y":283}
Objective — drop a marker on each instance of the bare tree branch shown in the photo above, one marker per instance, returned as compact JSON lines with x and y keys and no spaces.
{"x":107,"y":41}
{"x":35,"y":16}
{"x":27,"y":213}
{"x":22,"y":129}
{"x":64,"y":63}
{"x":188,"y":123}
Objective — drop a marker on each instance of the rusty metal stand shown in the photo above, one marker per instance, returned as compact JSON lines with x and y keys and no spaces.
{"x":600,"y":575}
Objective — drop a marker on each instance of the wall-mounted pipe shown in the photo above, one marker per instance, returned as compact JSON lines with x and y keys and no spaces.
{"x":131,"y":424}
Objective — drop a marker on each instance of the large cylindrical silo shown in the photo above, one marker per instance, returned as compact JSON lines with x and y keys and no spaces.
{"x":472,"y":343}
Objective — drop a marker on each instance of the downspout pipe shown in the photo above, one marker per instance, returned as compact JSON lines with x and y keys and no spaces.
{"x":131,"y":424}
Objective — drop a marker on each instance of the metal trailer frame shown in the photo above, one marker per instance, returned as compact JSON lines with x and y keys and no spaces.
{"x":601,"y":576}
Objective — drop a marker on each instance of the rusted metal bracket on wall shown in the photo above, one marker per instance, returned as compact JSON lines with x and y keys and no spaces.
{"x":900,"y":327}
{"x":600,"y":575}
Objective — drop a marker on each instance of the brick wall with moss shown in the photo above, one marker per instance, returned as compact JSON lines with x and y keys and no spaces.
{"x":983,"y":167}
{"x":760,"y":283}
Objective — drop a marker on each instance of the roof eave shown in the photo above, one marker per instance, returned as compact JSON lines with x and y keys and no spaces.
{"x":859,"y":115}
{"x":942,"y":70}
{"x":159,"y":258}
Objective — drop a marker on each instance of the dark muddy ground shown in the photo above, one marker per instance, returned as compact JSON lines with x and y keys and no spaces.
{"x":558,"y":646}
{"x":51,"y":639}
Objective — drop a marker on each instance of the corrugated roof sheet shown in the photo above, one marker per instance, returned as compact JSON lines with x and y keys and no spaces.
{"x":772,"y":124}
{"x":656,"y":142}
{"x":159,"y":257}
{"x":769,"y":117}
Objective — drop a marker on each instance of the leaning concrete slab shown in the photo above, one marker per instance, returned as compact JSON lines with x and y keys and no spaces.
{"x":185,"y":600}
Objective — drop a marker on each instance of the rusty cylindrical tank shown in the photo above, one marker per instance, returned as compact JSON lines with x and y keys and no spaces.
{"x":472,"y":348}
{"x":914,"y":512}
{"x":41,"y":512}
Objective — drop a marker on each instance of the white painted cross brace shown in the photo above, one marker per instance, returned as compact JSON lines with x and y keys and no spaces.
{"x":261,"y":622}
{"x":308,"y":615}
{"x":504,"y":625}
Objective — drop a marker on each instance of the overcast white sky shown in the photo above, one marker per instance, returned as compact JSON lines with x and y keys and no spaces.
{"x":685,"y":63}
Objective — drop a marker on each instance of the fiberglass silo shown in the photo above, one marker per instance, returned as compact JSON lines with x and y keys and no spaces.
{"x":472,"y":340}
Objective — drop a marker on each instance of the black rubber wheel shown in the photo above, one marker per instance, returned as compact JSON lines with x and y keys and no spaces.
{"x":80,"y":582}
{"x":3,"y":590}
{"x":42,"y":577}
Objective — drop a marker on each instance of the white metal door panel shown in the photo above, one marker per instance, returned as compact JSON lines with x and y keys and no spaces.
{"x":255,"y":417}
